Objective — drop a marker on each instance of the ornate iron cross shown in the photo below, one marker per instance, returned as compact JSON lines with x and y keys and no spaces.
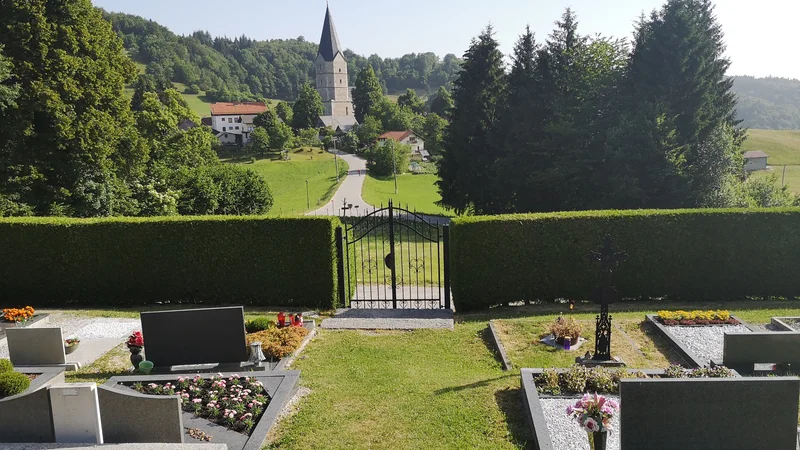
{"x":604,"y":295}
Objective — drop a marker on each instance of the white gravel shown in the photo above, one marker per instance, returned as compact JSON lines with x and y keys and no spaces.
{"x":565,"y":433}
{"x":705,"y":342}
{"x":84,"y":329}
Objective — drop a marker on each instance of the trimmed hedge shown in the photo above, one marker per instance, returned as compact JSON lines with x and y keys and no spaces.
{"x":694,"y":255}
{"x":134,"y":261}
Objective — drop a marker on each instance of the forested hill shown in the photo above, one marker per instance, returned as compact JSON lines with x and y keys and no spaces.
{"x":245,"y":69}
{"x":769,"y":103}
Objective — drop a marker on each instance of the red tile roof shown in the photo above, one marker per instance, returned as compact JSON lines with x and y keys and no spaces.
{"x":396,"y":135}
{"x":231,"y":109}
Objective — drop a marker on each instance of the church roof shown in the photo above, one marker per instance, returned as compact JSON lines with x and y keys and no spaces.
{"x":329,"y":45}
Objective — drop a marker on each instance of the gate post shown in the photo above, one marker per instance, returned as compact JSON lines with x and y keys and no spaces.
{"x":446,"y":237}
{"x":391,"y":251}
{"x":340,"y":267}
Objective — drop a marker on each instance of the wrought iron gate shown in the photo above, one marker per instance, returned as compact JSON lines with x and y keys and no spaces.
{"x":394,"y":258}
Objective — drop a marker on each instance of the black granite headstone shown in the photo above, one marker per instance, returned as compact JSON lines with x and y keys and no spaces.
{"x":194,"y":336}
{"x":709,"y":413}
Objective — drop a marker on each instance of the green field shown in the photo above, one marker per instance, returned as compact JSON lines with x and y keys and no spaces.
{"x":287,"y":179}
{"x":782,"y":146}
{"x":417,"y":191}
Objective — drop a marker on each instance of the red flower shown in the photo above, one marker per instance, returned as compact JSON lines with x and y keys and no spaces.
{"x":136,"y":339}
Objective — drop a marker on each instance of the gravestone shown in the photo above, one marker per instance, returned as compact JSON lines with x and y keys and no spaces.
{"x":709,"y":413}
{"x":194,"y":336}
{"x":158,"y":418}
{"x":742,"y":350}
{"x":36,"y":346}
{"x":604,"y":295}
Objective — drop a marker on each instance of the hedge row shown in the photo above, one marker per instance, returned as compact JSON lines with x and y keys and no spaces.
{"x":128,"y":261}
{"x":693,"y":255}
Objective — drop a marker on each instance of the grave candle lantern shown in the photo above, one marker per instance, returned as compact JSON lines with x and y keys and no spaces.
{"x":567,"y":343}
{"x":256,"y":355}
{"x":281,"y":319}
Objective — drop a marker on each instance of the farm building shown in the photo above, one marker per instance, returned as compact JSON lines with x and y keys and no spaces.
{"x":755,"y":160}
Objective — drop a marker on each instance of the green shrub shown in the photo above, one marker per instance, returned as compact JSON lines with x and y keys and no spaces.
{"x":135,"y":261}
{"x":692,"y":255}
{"x":601,"y":380}
{"x":259,"y":324}
{"x":6,"y":366}
{"x":574,"y":379}
{"x":12,"y":383}
{"x":548,"y":382}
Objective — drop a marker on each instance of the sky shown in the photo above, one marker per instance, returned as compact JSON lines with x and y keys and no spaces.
{"x":760,"y":36}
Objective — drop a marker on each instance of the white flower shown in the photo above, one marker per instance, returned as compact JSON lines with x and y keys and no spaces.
{"x":591,"y":425}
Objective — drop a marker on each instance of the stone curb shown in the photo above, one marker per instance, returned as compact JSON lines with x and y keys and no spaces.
{"x":279,"y":398}
{"x":499,"y":345}
{"x":778,"y":323}
{"x":533,"y":412}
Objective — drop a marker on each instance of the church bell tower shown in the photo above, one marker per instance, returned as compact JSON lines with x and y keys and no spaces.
{"x":332,"y":81}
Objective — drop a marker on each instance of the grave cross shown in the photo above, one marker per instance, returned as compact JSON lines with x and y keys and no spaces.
{"x":609,"y":258}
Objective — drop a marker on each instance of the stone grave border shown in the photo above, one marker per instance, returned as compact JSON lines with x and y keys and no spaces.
{"x":534,"y":416}
{"x":690,"y":358}
{"x":287,"y":361}
{"x":501,"y":350}
{"x":46,"y":377}
{"x":282,"y":395}
{"x":44,"y":318}
{"x":778,"y":322}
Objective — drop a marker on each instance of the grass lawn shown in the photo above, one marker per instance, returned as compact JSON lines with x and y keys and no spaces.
{"x":791,"y":179}
{"x":287,"y":179}
{"x":417,"y":191}
{"x":782,"y":146}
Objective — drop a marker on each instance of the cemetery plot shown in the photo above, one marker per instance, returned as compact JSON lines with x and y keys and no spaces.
{"x":633,"y":343}
{"x":697,"y":335}
{"x":223,"y":412}
{"x":785,"y":323}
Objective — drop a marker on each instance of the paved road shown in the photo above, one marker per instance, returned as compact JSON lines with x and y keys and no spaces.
{"x":350,"y":190}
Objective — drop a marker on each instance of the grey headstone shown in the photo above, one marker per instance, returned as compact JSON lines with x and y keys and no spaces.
{"x":746,"y":349}
{"x":194,"y":336}
{"x":130,"y":417}
{"x":27,"y":418}
{"x":36,"y":346}
{"x":699,"y":414}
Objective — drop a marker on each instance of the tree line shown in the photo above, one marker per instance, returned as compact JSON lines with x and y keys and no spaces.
{"x":241,"y":68}
{"x":588,"y":122}
{"x":73,"y":144}
{"x":771,"y":103}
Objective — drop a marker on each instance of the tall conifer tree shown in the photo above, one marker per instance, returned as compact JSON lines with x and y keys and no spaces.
{"x":467,"y":168}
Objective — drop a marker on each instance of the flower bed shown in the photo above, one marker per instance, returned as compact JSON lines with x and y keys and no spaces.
{"x":719,"y":317}
{"x":578,"y":380}
{"x":16,"y":315}
{"x":234,"y":402}
{"x":277,"y":343}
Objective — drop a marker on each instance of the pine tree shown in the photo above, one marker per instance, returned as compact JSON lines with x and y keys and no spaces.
{"x":366,"y":94}
{"x":307,"y":108}
{"x":466,"y":170}
{"x":442,"y":102}
{"x":678,"y":63}
{"x":411,"y":101}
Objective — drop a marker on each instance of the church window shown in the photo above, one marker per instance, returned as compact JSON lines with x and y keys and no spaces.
{"x":340,"y":70}
{"x":346,"y":111}
{"x":340,"y":81}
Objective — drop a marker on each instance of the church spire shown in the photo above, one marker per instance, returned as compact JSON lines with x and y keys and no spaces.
{"x":329,"y":42}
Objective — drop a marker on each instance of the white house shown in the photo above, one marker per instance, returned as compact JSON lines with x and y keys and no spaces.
{"x":233,"y":122}
{"x":755,"y":160}
{"x":417,"y":145}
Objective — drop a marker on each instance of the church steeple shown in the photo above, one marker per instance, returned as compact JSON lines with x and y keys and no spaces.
{"x":329,"y":42}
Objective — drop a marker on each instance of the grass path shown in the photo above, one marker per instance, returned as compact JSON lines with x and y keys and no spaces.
{"x":417,"y":191}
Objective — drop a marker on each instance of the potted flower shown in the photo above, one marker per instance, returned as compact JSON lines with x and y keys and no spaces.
{"x":135,"y":344}
{"x":594,"y":413}
{"x":70,"y":345}
{"x":566,"y":328}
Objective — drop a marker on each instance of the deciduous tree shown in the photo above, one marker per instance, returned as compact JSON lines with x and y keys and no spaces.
{"x":307,"y":108}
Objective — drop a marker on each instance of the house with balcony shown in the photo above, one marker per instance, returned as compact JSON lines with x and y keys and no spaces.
{"x":418,"y":152}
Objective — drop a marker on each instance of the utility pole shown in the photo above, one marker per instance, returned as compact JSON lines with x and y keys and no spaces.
{"x":394,"y":169}
{"x":308,"y":199}
{"x":336,"y":160}
{"x":783,"y":177}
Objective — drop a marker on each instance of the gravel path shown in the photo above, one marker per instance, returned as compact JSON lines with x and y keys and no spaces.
{"x":84,"y":328}
{"x":705,"y":342}
{"x":565,"y":433}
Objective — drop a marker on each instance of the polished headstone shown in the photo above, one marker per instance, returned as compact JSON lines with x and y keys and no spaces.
{"x":35,"y":346}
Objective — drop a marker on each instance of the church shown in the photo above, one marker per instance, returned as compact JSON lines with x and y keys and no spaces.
{"x":333,"y":83}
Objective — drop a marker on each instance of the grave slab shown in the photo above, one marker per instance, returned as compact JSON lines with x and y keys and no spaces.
{"x":157,"y":418}
{"x":36,"y":346}
{"x":195,"y":336}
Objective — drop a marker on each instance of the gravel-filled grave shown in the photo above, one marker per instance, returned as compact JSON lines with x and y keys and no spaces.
{"x":565,"y":433}
{"x":706,"y":342}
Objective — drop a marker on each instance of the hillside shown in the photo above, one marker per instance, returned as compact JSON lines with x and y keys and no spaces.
{"x":782,"y":146}
{"x":768,"y":103}
{"x":245,"y":69}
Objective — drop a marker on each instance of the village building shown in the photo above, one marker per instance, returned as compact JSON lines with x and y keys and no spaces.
{"x":233,"y":122}
{"x":333,"y":83}
{"x":755,"y":160}
{"x":418,"y":152}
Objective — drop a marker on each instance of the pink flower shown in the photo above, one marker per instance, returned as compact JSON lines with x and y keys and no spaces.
{"x":197,"y":400}
{"x":250,"y":405}
{"x":591,"y":425}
